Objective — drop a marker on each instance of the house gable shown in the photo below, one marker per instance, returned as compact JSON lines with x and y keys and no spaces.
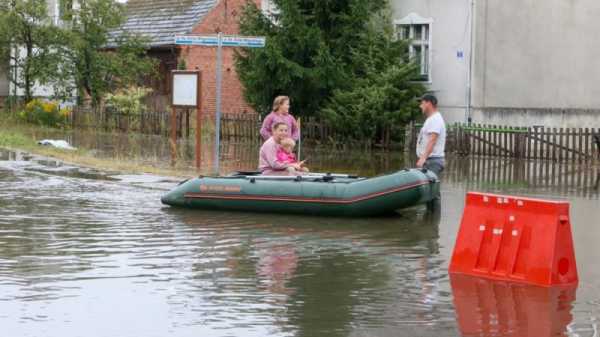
{"x":222,"y":18}
{"x":161,"y":20}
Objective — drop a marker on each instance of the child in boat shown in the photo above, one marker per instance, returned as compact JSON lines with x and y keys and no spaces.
{"x":285,"y":155}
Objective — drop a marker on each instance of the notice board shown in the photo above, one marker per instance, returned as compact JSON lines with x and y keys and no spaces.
{"x":186,"y":85}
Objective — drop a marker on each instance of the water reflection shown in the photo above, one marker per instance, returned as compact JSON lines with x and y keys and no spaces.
{"x":10,"y":155}
{"x":505,"y":174}
{"x":328,"y":276}
{"x":103,"y":257}
{"x":493,"y":308}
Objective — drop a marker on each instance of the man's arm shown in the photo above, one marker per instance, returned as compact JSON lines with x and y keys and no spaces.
{"x":433,"y":137}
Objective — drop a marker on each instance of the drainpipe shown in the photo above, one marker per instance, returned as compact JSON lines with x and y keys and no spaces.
{"x":57,"y":13}
{"x":471,"y":62}
{"x":14,"y":71}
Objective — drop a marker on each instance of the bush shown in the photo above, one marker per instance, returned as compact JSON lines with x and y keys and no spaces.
{"x":383,"y":100}
{"x":129,"y":100}
{"x":47,"y":113}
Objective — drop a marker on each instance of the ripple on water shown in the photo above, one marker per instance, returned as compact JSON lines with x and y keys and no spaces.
{"x":74,"y":247}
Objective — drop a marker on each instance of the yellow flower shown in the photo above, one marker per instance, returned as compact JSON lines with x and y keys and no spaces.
{"x":49,"y":107}
{"x":65,"y":111}
{"x":32,"y":104}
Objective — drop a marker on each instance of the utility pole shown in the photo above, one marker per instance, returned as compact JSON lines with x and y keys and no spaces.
{"x":471,"y":62}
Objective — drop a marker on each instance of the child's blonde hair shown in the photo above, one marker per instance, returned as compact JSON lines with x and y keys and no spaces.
{"x":288,"y":142}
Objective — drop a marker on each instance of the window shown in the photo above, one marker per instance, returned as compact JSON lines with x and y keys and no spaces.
{"x":269,"y":9}
{"x":417,"y":31}
{"x":62,"y":12}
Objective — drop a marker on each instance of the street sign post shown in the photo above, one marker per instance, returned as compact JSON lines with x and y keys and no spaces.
{"x":219,"y":40}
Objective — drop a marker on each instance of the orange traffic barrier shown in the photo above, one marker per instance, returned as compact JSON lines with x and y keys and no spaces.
{"x":499,"y":308}
{"x":517,"y":239}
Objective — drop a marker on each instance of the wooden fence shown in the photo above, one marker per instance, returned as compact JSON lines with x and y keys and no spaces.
{"x":234,"y":127}
{"x":241,"y":126}
{"x":247,"y":126}
{"x":150,"y":122}
{"x":314,"y":131}
{"x":557,"y":144}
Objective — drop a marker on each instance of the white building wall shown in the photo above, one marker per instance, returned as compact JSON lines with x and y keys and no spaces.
{"x":53,"y":9}
{"x":537,"y":63}
{"x":268,"y":7}
{"x":450,"y":38}
{"x":38,"y":90}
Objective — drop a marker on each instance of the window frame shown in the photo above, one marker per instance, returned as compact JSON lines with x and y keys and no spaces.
{"x":411,"y":21}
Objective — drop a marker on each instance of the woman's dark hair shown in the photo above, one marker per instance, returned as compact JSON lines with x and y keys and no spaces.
{"x":276,"y":125}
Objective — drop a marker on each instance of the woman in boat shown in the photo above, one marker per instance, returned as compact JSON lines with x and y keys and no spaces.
{"x":280,"y":114}
{"x":267,"y":160}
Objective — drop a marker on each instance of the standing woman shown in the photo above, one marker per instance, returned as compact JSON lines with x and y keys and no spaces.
{"x":280,"y":114}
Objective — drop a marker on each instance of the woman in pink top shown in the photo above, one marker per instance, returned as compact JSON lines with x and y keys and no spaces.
{"x":280,"y":114}
{"x":267,"y":157}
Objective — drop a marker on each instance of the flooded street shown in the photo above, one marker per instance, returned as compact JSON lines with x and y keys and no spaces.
{"x":86,"y":253}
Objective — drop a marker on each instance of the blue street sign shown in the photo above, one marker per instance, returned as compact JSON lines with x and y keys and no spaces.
{"x":243,"y":41}
{"x":226,"y":40}
{"x":207,"y":40}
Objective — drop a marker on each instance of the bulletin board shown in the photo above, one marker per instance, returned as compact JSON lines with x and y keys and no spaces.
{"x":185,"y":88}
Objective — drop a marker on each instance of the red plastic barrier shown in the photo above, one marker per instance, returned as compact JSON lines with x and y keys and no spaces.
{"x":517,"y":239}
{"x":498,"y":308}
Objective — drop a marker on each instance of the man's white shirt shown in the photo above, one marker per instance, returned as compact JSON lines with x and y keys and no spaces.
{"x":433,"y":124}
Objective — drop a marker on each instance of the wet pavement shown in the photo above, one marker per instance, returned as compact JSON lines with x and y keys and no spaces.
{"x":91,"y":253}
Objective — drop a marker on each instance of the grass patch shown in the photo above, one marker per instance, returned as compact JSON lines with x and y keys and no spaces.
{"x":13,"y":139}
{"x":23,"y":137}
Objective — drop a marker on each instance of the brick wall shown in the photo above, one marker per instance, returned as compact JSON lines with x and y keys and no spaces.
{"x":224,"y":17}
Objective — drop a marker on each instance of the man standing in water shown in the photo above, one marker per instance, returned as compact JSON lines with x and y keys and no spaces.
{"x":432,"y":137}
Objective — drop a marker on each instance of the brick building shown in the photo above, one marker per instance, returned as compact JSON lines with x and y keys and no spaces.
{"x":161,"y":20}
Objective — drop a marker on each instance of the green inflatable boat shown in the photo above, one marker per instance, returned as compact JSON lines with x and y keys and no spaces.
{"x":315,"y":193}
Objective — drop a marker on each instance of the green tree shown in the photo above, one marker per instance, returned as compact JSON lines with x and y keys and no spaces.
{"x":101,"y":62}
{"x":336,"y":59}
{"x":4,"y":38}
{"x":29,"y":39}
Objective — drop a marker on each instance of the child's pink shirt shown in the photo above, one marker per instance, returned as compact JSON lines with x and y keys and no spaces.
{"x":284,"y":157}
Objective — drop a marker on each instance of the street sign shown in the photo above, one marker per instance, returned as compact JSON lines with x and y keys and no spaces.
{"x":197,"y":40}
{"x":219,"y":41}
{"x":226,"y":41}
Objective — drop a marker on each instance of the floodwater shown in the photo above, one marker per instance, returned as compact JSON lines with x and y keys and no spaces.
{"x":90,"y":253}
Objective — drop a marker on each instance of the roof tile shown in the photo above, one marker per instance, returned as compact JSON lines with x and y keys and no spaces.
{"x":161,"y":20}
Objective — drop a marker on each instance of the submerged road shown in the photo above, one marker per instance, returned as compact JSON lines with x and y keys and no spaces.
{"x":88,"y":253}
